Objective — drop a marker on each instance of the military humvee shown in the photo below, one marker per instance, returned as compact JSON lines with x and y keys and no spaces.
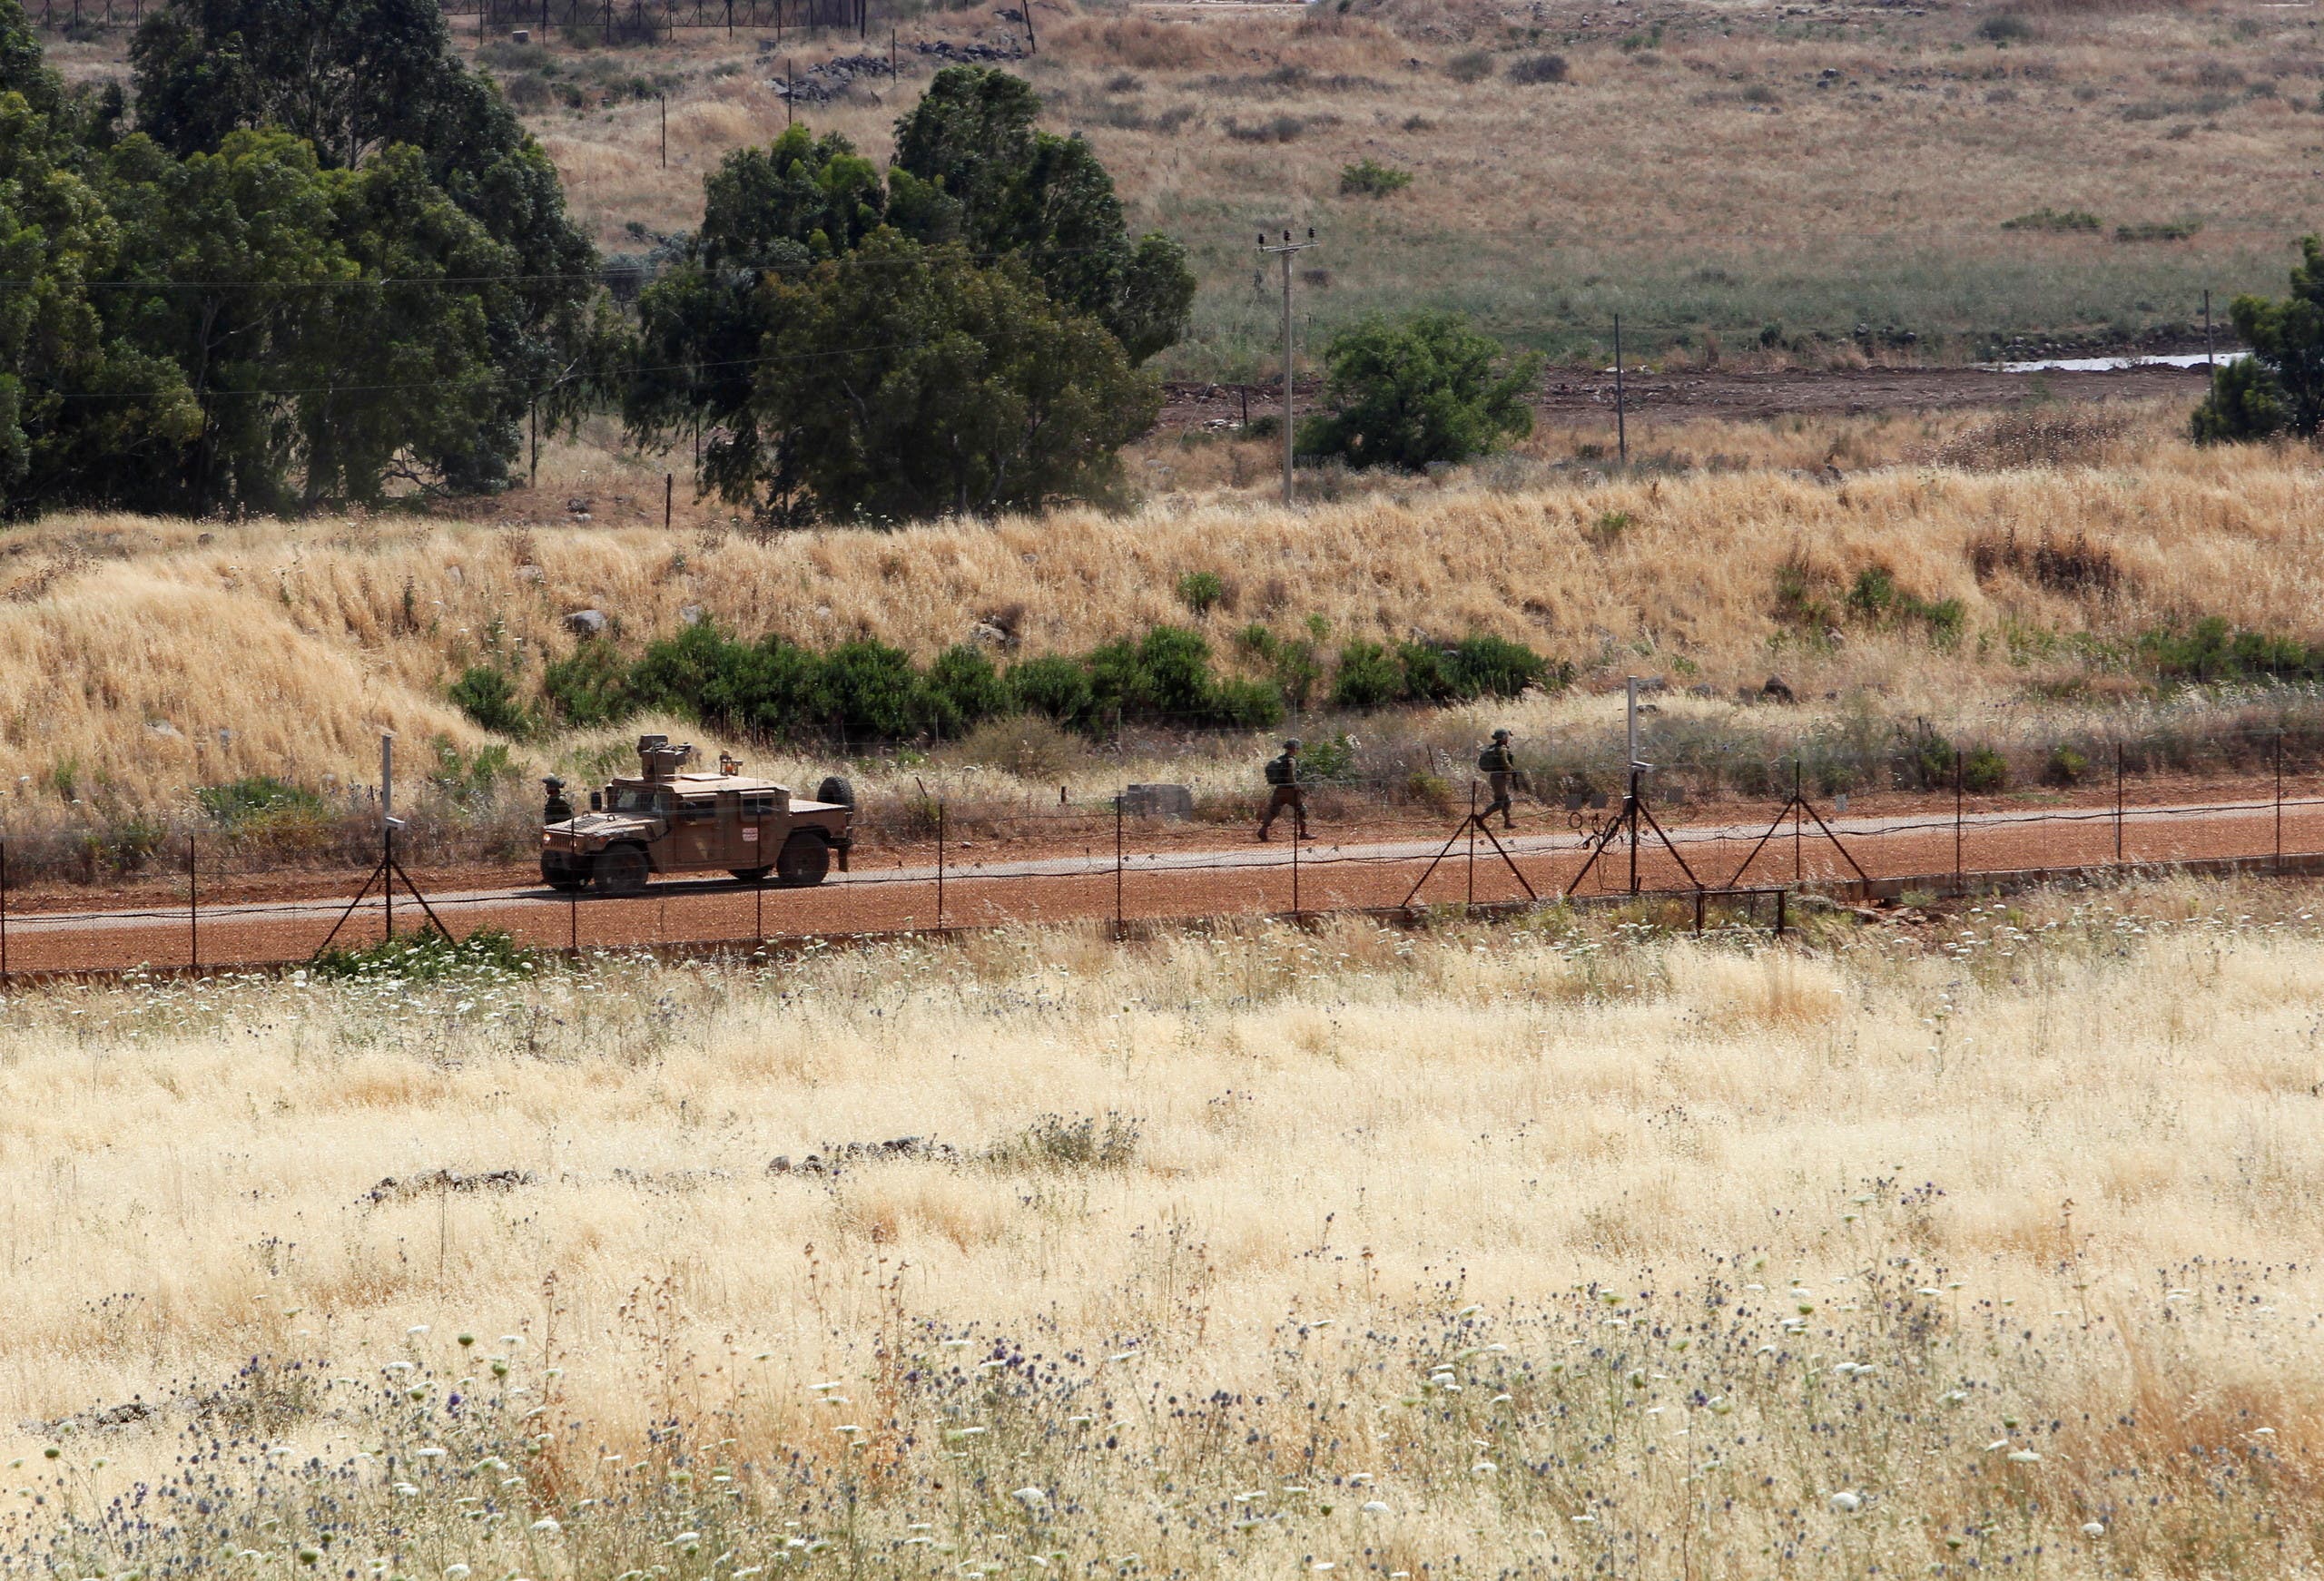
{"x":664,"y":822}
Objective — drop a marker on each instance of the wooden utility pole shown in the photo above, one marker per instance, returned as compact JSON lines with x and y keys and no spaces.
{"x":1284,"y":251}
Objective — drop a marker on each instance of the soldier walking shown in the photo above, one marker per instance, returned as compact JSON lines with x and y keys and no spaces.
{"x":1500,"y":766}
{"x":558,"y":809}
{"x":1283,"y":776}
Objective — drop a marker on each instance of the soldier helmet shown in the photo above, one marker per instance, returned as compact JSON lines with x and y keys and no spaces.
{"x":1500,"y":735}
{"x":552,"y":783}
{"x":1292,"y":745}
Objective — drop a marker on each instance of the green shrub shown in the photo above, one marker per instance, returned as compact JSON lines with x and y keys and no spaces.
{"x":489,"y":697}
{"x":1983,"y":771}
{"x":1055,"y":1143}
{"x":261,"y":796}
{"x":1245,"y":704}
{"x":1055,"y":687}
{"x":963,"y":691}
{"x":2062,"y":220}
{"x":1330,"y":763}
{"x":2066,"y":767}
{"x":428,"y":957}
{"x":1428,"y":673}
{"x":1368,"y":677}
{"x":2157,"y":230}
{"x":1367,"y":178}
{"x":468,"y":782}
{"x":2004,"y":28}
{"x":1201,"y":592}
{"x":1535,"y":69}
{"x":1488,"y":666}
{"x":868,"y":690}
{"x":1470,"y":65}
{"x":2210,"y":649}
{"x":587,"y":687}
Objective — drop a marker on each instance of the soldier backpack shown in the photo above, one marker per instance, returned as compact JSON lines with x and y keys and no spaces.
{"x":1279,"y":770}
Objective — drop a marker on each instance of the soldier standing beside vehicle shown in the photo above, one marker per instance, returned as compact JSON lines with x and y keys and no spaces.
{"x":1282,"y":777}
{"x":1500,"y":766}
{"x":557,"y":808}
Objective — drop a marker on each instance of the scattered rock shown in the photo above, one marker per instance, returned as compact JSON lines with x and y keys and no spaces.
{"x":579,"y":507}
{"x":670,"y":1180}
{"x":837,"y":1157}
{"x":585,"y":623}
{"x":690,"y":614}
{"x":392,"y":1190}
{"x":162,"y":728}
{"x":1779,"y":690}
{"x":1703,"y":691}
{"x":532,"y":574}
{"x":820,"y":85}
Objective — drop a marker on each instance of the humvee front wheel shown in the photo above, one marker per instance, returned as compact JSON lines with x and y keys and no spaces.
{"x":749,"y":875}
{"x":620,"y":870}
{"x":806,"y":857}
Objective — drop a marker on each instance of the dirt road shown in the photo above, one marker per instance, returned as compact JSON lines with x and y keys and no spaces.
{"x":1443,"y":868}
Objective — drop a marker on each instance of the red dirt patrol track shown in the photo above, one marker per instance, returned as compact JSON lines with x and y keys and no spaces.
{"x":1181,"y":871}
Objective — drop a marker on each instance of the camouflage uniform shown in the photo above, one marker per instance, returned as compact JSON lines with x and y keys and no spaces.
{"x":1283,"y":775}
{"x":558,"y":809}
{"x":1500,"y":765}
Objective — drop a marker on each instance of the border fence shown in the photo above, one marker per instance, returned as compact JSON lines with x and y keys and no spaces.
{"x":1141,"y":859}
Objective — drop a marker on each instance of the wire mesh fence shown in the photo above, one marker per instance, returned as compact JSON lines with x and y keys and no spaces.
{"x":1134,"y":860}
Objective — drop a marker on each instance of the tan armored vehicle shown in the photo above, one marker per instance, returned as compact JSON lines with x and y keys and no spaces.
{"x":666,"y":821}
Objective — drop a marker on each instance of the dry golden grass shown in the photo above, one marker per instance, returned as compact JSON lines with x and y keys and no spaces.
{"x":127,"y":646}
{"x":1649,"y":1204}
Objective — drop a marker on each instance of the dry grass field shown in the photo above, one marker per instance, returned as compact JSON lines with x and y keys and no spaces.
{"x":142,"y":658}
{"x":1571,"y":1247}
{"x":1719,"y":174}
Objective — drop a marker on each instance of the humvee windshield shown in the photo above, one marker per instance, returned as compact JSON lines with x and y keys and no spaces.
{"x":643,"y":798}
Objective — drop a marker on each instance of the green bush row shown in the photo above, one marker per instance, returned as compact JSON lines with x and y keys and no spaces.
{"x":2213,"y":650}
{"x":868,"y":690}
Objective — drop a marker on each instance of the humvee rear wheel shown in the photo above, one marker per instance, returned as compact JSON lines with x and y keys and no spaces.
{"x":620,"y":870}
{"x":806,"y":857}
{"x":749,"y":875}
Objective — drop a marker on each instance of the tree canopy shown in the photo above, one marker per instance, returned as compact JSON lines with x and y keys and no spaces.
{"x":1415,"y":394}
{"x":2280,"y":386}
{"x":747,"y":337}
{"x":292,"y":284}
{"x":907,"y":382}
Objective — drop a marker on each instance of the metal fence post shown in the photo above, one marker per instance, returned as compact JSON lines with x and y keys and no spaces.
{"x":1473,"y":841}
{"x":940,"y":866}
{"x":2118,"y":803}
{"x":2280,"y":799}
{"x":1781,"y":896}
{"x":1295,"y":873}
{"x":1120,"y":799}
{"x":192,"y":904}
{"x":4,"y":908}
{"x":573,"y":919}
{"x":1956,"y":818}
